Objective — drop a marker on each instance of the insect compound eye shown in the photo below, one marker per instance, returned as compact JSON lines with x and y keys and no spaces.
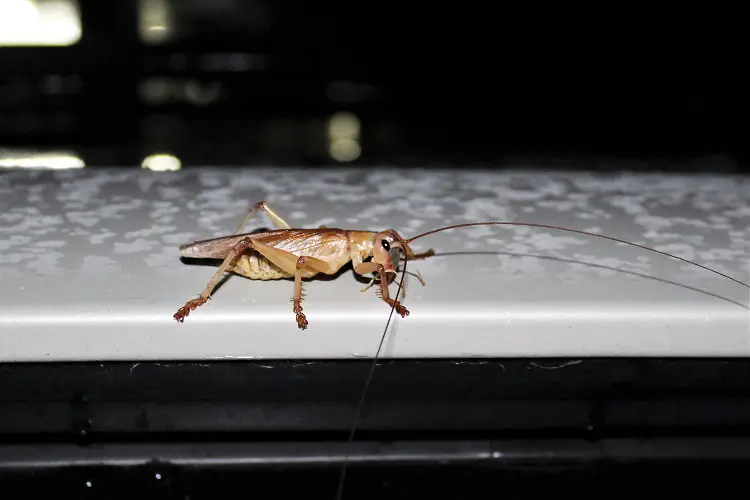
{"x":385,"y":244}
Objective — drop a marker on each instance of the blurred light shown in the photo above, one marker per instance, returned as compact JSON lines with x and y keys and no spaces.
{"x":162,"y":163}
{"x":202,"y":94}
{"x":343,"y":137}
{"x":155,"y":24}
{"x":237,"y":62}
{"x":55,"y":84}
{"x":39,"y":23}
{"x":156,"y":90}
{"x":344,"y":150}
{"x":159,"y":91}
{"x":42,"y":161}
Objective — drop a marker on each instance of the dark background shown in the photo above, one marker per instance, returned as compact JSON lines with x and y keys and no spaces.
{"x":432,"y":83}
{"x":459,"y":84}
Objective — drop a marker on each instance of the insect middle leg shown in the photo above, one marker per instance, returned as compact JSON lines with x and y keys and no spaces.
{"x":297,"y":266}
{"x":275,"y":218}
{"x":305,"y":264}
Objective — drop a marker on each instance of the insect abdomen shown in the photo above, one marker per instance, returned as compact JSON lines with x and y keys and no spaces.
{"x":257,"y":267}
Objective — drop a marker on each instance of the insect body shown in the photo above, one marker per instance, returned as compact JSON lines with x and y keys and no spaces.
{"x":300,"y":254}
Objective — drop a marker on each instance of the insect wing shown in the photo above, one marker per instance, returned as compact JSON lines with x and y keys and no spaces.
{"x":320,"y":243}
{"x":215,"y":248}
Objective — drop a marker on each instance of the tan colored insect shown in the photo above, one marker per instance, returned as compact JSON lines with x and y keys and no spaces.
{"x":287,"y":252}
{"x":300,"y":254}
{"x":303,"y":253}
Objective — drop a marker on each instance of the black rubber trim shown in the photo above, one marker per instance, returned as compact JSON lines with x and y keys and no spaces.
{"x":510,"y":428}
{"x":594,"y":398}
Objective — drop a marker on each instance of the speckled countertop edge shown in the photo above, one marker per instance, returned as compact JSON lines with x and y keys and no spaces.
{"x":90,"y":268}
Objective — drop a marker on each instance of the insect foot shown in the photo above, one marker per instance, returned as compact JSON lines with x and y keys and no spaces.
{"x":301,"y":319}
{"x":183,"y":311}
{"x":404,"y":312}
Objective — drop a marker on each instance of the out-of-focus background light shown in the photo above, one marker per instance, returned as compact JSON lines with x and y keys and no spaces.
{"x":343,"y":137}
{"x":155,"y":21}
{"x":39,"y":23}
{"x":40,"y":161}
{"x":161,"y":163}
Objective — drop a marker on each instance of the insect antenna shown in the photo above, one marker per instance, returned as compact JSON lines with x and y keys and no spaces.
{"x":355,"y":421}
{"x":358,"y":411}
{"x":578,"y":231}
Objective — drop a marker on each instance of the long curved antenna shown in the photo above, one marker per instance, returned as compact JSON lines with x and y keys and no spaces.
{"x":578,"y":231}
{"x":358,"y":411}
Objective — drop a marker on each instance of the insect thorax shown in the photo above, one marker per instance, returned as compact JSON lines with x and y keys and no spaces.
{"x":360,"y":243}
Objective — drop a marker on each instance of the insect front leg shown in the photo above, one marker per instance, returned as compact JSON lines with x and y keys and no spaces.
{"x":190,"y":305}
{"x":372,"y":267}
{"x":404,"y":312}
{"x":263,"y":205}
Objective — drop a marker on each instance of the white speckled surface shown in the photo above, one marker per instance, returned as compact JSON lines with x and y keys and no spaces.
{"x":90,"y":268}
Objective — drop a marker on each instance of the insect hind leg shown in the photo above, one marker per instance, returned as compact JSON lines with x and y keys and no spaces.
{"x":297,"y":266}
{"x":277,"y":221}
{"x":193,"y":304}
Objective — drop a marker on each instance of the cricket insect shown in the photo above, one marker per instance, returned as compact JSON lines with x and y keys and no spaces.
{"x":300,"y":253}
{"x":287,"y":252}
{"x":303,"y":253}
